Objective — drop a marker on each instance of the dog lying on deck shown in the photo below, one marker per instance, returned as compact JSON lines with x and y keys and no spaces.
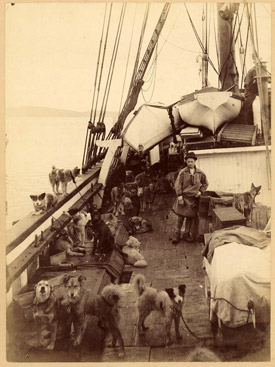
{"x":45,"y":311}
{"x":43,"y":202}
{"x":244,"y":202}
{"x":140,"y":225}
{"x":84,"y":304}
{"x":63,"y":242}
{"x":168,"y":302}
{"x":62,"y":176}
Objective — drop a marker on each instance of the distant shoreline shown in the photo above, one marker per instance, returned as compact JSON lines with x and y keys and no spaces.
{"x":37,"y":111}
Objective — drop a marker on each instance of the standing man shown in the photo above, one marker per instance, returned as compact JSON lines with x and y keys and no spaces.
{"x":190,"y":184}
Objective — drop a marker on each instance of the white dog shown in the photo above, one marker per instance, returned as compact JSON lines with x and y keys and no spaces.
{"x":169,"y":303}
{"x":77,"y":228}
{"x":43,"y":202}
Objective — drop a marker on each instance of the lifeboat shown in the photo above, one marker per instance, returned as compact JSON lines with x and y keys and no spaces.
{"x":149,"y":125}
{"x":209,"y":108}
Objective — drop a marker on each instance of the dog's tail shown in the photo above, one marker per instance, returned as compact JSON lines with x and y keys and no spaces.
{"x":111,"y":294}
{"x":139,"y":283}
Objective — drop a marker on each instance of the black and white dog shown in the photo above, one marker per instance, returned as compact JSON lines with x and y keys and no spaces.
{"x":169,"y":303}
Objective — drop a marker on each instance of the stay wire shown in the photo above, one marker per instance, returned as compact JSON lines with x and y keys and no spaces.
{"x":88,"y":132}
{"x":166,"y":41}
{"x":128,"y":57}
{"x":112,"y":64}
{"x":199,"y":40}
{"x":98,"y":60}
{"x":245,"y":50}
{"x":103,"y":58}
{"x":134,"y":74}
{"x":216,"y":41}
{"x":153,"y":80}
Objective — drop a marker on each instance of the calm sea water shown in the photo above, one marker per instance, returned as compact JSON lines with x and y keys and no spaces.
{"x":35,"y":144}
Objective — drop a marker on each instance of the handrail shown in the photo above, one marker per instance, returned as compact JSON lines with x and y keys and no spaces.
{"x":27,"y":257}
{"x":22,"y":229}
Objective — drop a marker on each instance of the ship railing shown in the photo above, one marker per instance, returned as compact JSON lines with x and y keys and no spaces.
{"x":31,"y":237}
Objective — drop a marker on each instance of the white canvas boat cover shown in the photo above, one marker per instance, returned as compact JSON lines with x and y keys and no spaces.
{"x":149,"y":125}
{"x":240,"y":273}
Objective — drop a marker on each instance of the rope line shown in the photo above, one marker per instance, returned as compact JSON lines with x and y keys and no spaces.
{"x":126,"y":68}
{"x":199,"y":40}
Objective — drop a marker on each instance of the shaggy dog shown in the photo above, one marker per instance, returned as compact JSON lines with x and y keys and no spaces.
{"x":130,"y":191}
{"x":77,"y":227}
{"x":84,"y":305}
{"x":202,"y":355}
{"x":43,"y":202}
{"x":117,"y":195}
{"x":45,"y":311}
{"x":140,"y":225}
{"x":149,"y":195}
{"x":168,"y":302}
{"x":63,"y":176}
{"x":244,"y":202}
{"x":63,"y":242}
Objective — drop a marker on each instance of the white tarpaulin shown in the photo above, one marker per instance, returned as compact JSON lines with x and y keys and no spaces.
{"x":240,"y":273}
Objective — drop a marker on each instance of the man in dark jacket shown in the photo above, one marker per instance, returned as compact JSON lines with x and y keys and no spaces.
{"x":190,"y":184}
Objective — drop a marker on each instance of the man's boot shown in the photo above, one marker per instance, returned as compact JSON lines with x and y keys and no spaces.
{"x":176,"y":237}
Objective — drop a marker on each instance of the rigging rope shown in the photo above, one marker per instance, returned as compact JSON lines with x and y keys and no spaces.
{"x":216,"y":42}
{"x":108,"y":83}
{"x":88,"y":132}
{"x":126,"y":68}
{"x":166,"y":40}
{"x":98,"y":60}
{"x":152,"y":79}
{"x":103,"y":59}
{"x":140,"y":44}
{"x":112,"y":64}
{"x":199,"y":40}
{"x":245,"y":51}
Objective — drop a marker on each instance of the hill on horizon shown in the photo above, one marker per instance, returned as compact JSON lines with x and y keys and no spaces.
{"x":41,"y":111}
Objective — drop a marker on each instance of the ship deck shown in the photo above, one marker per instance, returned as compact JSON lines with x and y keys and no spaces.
{"x":168,"y":265}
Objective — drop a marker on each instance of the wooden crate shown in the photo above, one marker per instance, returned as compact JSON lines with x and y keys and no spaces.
{"x":227,"y":217}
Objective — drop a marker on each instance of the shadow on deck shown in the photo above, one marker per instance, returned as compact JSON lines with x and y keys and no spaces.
{"x":168,"y":265}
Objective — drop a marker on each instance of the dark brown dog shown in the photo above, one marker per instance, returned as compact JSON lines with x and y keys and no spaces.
{"x":104,"y":242}
{"x":244,"y":202}
{"x":85,"y":304}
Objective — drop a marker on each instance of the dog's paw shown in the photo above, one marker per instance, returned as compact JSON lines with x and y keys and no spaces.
{"x":50,"y":346}
{"x":76,"y":343}
{"x":121,"y":355}
{"x":111,"y":344}
{"x":168,"y":343}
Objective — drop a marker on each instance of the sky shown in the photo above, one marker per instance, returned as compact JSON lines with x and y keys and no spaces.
{"x":51,"y":52}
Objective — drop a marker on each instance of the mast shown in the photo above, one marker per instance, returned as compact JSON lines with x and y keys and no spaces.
{"x":228,"y":72}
